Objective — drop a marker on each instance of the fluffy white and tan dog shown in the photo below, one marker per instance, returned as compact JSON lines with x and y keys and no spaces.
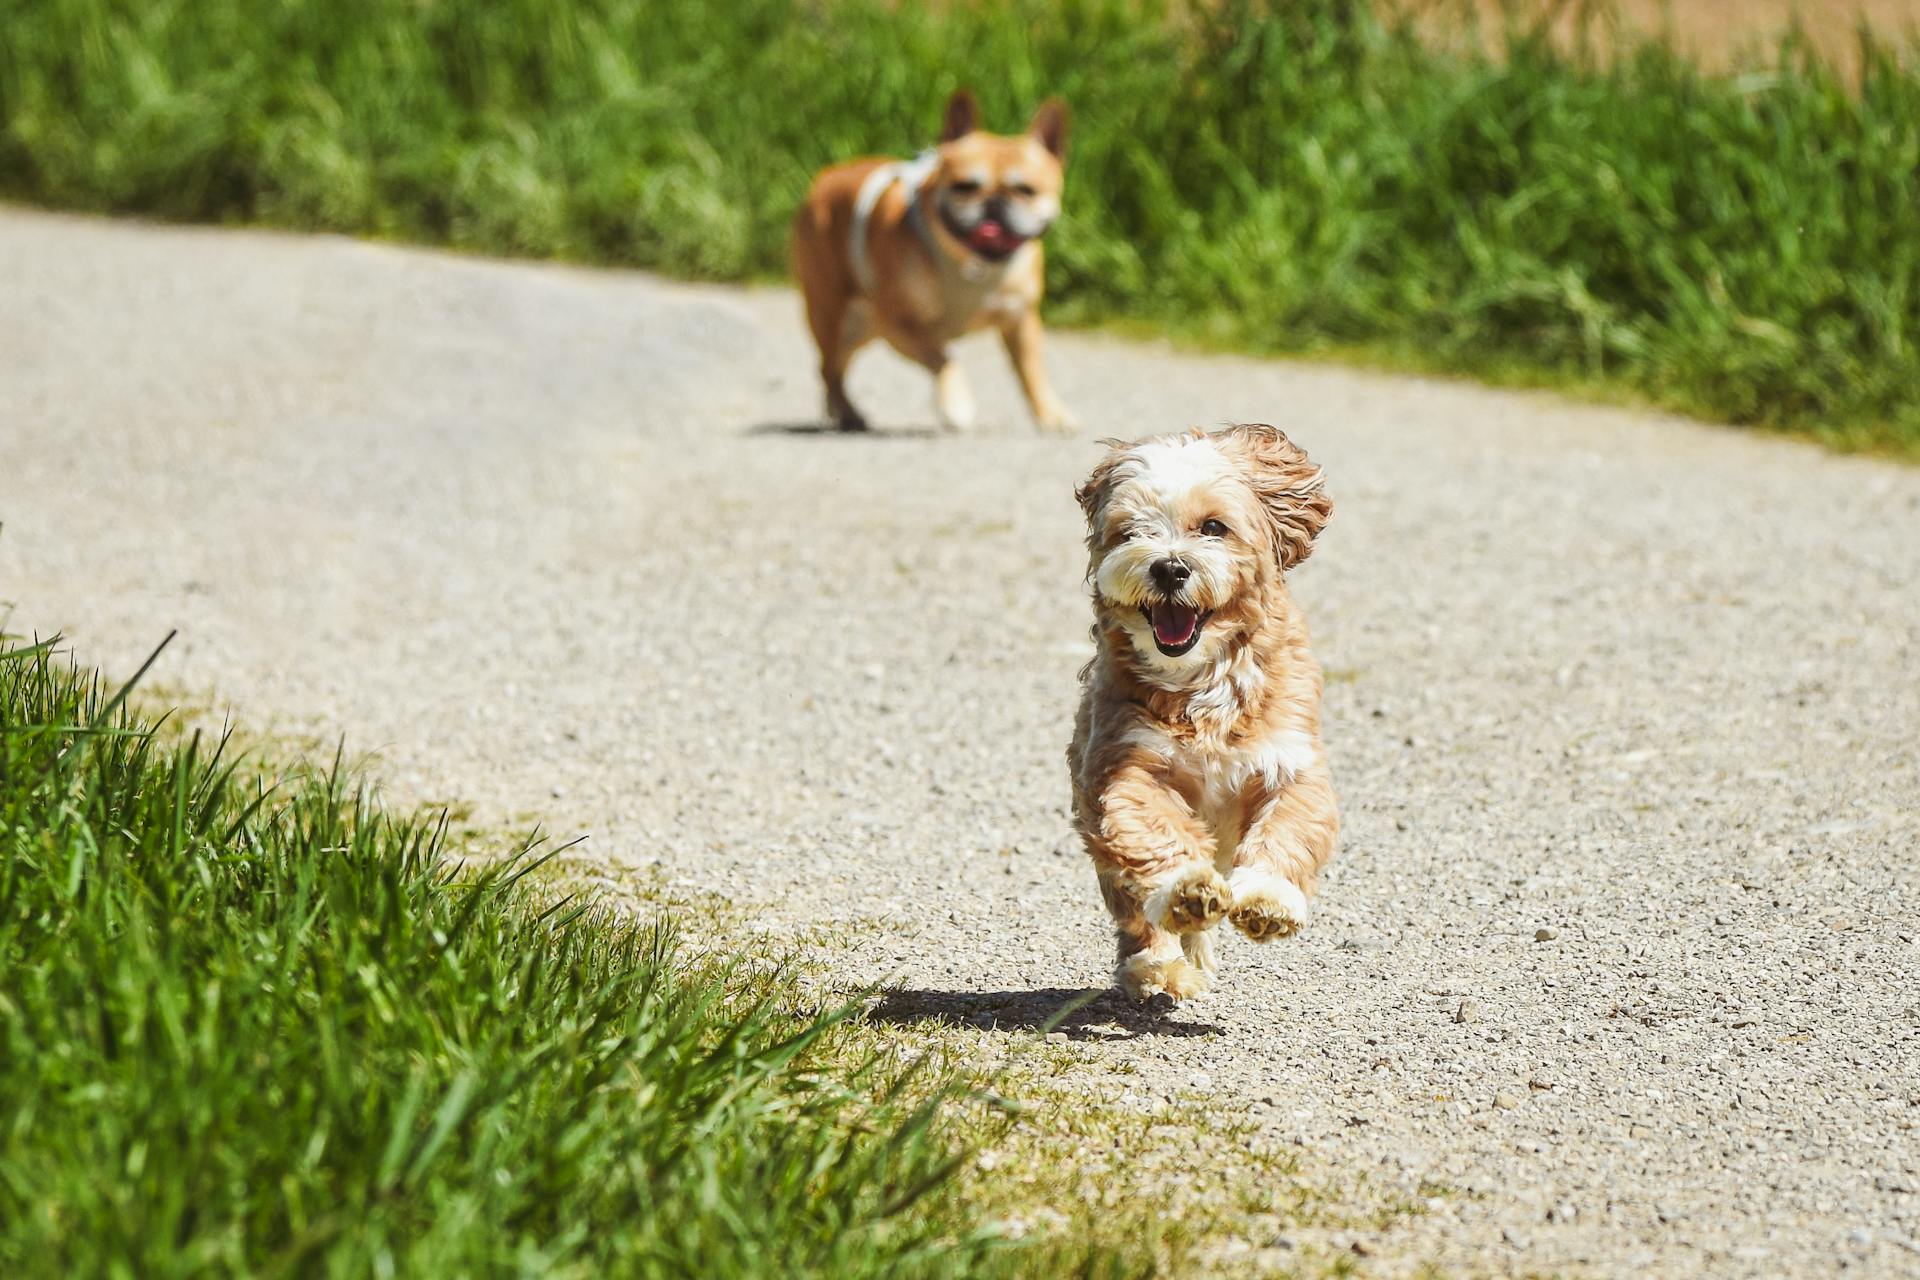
{"x":1199,"y":782}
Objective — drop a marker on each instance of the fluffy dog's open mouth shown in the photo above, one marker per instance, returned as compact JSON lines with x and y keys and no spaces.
{"x":1176,"y":627}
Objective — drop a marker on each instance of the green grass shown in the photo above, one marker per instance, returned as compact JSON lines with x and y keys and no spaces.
{"x":1279,"y":175}
{"x":270,"y":1031}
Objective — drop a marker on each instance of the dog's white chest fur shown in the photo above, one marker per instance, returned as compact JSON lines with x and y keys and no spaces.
{"x":1215,"y":775}
{"x":952,"y":300}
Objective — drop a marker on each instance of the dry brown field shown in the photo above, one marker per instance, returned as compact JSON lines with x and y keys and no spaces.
{"x":1721,"y":33}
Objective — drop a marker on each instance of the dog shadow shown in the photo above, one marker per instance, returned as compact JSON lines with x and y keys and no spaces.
{"x":816,"y":427}
{"x":1086,"y":1013}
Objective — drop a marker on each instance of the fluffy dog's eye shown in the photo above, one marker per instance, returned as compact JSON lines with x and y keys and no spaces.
{"x":963,"y":186}
{"x":1022,"y":190}
{"x":1213,"y":529}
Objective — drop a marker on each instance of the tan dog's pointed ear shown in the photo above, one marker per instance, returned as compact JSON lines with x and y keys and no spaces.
{"x":1050,"y":126}
{"x":963,"y":116}
{"x":1291,"y":489}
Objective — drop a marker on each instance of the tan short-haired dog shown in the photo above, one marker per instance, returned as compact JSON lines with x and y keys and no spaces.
{"x":1200,"y":787}
{"x":923,"y":251}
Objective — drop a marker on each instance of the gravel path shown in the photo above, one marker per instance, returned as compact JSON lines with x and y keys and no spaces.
{"x":1617,"y":961}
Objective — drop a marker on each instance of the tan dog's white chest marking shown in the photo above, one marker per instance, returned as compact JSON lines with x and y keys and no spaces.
{"x":948,"y":304}
{"x":1007,"y":300}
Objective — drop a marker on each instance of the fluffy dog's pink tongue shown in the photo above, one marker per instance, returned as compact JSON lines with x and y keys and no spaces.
{"x":1173,"y":624}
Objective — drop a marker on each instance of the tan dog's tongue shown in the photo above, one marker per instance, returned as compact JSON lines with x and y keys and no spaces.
{"x":1174,"y":623}
{"x":992,"y":235}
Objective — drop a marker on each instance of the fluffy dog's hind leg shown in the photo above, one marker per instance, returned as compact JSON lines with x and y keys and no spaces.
{"x":1199,"y":951}
{"x":1158,"y":963}
{"x":1153,"y":961}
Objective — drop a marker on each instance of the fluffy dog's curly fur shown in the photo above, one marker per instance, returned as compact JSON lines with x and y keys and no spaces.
{"x":1200,"y":786}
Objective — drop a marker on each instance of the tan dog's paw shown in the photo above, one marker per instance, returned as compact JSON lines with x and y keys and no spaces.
{"x":1266,"y":906}
{"x":1193,"y":900}
{"x":844,"y":416}
{"x":1144,"y":976}
{"x":953,"y":399}
{"x":1055,"y":416}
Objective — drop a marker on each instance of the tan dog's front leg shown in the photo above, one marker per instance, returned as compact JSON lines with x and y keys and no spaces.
{"x":1024,"y":338}
{"x":1157,"y":876}
{"x":952,"y":397}
{"x":1289,"y":839}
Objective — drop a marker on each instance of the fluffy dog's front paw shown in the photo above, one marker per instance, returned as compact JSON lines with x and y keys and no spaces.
{"x":1266,"y":906}
{"x":1190,"y":902}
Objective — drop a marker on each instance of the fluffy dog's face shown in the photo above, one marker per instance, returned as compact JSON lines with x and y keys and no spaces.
{"x":994,"y":194}
{"x":1189,"y":534}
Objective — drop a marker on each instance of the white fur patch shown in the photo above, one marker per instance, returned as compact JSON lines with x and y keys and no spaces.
{"x":1229,"y":685}
{"x":1159,"y":901}
{"x":1140,"y":975}
{"x":1278,"y":760}
{"x":1249,"y":884}
{"x":1223,"y":773}
{"x":1148,"y":739}
{"x":1199,"y":949}
{"x":913,"y":174}
{"x":1174,"y":468}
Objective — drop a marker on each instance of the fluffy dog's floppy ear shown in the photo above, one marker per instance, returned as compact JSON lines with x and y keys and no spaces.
{"x":1050,"y":126}
{"x":1092,"y":491}
{"x":963,"y":116}
{"x":1291,"y":489}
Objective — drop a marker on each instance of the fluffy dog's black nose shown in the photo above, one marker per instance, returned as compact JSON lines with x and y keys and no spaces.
{"x":1170,"y":574}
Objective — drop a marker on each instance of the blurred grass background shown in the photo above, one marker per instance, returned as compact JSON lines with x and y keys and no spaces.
{"x":1282,"y":177}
